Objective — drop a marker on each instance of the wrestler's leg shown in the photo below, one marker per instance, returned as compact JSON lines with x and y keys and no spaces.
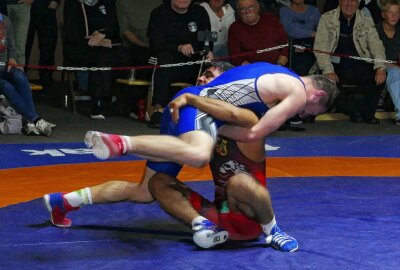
{"x":246,"y":195}
{"x":182,"y":203}
{"x":60,"y":204}
{"x":192,"y":148}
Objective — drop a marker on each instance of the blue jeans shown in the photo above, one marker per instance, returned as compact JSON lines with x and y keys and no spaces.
{"x":393,"y":87}
{"x":14,"y":85}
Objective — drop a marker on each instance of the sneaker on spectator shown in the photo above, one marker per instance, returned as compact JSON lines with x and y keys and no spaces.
{"x":58,"y":208}
{"x":397,"y":122}
{"x":208,"y":235}
{"x":281,"y":241}
{"x":296,"y":120}
{"x":44,"y":127}
{"x":30,"y":129}
{"x":97,"y":117}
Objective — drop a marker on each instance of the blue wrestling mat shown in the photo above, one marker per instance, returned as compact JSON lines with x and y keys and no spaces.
{"x":340,"y":223}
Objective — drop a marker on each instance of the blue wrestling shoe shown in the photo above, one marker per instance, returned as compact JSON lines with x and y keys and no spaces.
{"x":208,"y":235}
{"x":281,"y":241}
{"x":58,"y":208}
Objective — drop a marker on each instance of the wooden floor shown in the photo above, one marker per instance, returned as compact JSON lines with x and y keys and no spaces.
{"x":24,"y":184}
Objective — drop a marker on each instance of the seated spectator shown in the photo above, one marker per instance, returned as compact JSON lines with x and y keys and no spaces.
{"x":349,"y":31}
{"x":389,"y":32}
{"x":221,"y":17}
{"x":133,"y":17}
{"x":370,"y":7}
{"x":254,"y":31}
{"x":300,"y":22}
{"x":173,"y":35}
{"x":91,"y":39}
{"x":14,"y":84}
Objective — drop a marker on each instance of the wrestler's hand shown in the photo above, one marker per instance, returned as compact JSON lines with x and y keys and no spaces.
{"x":176,"y":104}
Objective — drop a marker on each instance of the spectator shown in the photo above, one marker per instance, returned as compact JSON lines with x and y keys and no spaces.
{"x":349,"y":31}
{"x":221,"y":17}
{"x":44,"y":23}
{"x":254,"y":32}
{"x":3,"y":7}
{"x":91,"y":39}
{"x":389,"y":32}
{"x":300,"y":22}
{"x":14,"y":85}
{"x":371,"y":7}
{"x":133,"y":17}
{"x":173,"y":34}
{"x":19,"y":12}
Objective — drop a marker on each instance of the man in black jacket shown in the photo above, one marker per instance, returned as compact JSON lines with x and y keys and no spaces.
{"x":173,"y":34}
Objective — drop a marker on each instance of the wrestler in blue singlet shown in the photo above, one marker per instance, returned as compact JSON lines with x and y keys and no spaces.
{"x":237,"y":86}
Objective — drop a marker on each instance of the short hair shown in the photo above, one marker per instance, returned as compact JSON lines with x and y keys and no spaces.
{"x":387,"y":3}
{"x":221,"y":65}
{"x":322,"y":83}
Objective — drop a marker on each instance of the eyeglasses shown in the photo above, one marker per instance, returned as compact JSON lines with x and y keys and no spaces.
{"x":249,"y":8}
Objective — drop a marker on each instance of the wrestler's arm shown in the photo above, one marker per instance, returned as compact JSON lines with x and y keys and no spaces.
{"x":270,"y":122}
{"x":219,"y":109}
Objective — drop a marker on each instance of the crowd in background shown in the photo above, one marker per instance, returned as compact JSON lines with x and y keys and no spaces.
{"x":98,"y":33}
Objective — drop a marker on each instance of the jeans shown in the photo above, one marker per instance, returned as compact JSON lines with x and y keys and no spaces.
{"x":14,"y":85}
{"x":393,"y":87}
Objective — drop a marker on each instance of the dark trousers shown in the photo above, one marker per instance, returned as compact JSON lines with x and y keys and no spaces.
{"x":362,"y":99}
{"x":302,"y":61}
{"x":163,"y":77}
{"x":44,"y":23}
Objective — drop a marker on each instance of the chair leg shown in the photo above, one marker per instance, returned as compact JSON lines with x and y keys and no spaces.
{"x":71,"y":91}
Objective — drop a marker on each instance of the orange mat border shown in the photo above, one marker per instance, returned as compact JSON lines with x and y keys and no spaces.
{"x":24,"y":184}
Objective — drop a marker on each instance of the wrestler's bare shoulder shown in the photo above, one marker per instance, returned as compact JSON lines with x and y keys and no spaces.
{"x":279,"y":85}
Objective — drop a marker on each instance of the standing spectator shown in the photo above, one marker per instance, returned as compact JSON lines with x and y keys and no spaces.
{"x":91,"y":29}
{"x":349,"y":31}
{"x":44,"y":23}
{"x":14,"y":84}
{"x":254,"y":32}
{"x":173,"y":34}
{"x":389,"y":32}
{"x":19,"y":12}
{"x":300,"y":22}
{"x":221,"y":17}
{"x":133,"y":17}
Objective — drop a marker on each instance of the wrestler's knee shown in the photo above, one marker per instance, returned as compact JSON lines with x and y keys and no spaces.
{"x":200,"y":158}
{"x":159,"y":182}
{"x":240,"y":183}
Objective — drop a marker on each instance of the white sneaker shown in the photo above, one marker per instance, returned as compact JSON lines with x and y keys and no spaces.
{"x":208,"y":235}
{"x":30,"y":129}
{"x":45,"y":127}
{"x":97,"y":117}
{"x":88,"y":138}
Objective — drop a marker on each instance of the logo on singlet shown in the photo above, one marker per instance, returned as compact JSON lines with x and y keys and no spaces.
{"x":221,"y":147}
